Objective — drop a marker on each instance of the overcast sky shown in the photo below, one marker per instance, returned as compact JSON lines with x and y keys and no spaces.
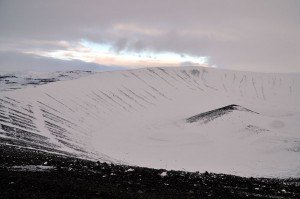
{"x":248,"y":35}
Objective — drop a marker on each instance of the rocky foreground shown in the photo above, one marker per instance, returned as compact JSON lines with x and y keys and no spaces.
{"x":33,"y":174}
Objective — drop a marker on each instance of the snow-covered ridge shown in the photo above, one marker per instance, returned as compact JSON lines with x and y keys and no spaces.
{"x":214,"y":114}
{"x":140,"y":116}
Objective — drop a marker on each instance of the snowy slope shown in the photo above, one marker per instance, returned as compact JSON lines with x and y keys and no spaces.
{"x":242,"y":123}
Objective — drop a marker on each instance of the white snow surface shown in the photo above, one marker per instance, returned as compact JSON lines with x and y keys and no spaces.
{"x":138,"y":117}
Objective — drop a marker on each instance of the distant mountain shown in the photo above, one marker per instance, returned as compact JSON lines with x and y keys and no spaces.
{"x":185,"y":118}
{"x":18,"y":80}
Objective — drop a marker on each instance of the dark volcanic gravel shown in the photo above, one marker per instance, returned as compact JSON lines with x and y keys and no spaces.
{"x":75,"y":178}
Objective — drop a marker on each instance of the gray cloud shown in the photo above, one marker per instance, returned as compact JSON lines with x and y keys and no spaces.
{"x":238,"y":34}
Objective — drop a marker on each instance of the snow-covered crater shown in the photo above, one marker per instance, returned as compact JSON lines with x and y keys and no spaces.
{"x":141,"y":117}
